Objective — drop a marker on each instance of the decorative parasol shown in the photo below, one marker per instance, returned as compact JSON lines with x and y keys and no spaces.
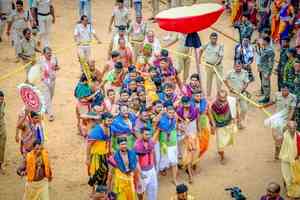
{"x":189,"y":20}
{"x":32,"y":98}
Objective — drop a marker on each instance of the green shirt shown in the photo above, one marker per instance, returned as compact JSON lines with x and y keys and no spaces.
{"x":289,"y":78}
{"x":110,"y":77}
{"x":267,"y":57}
{"x":168,"y":139}
{"x":245,"y":30}
{"x":282,"y":60}
{"x":296,"y":90}
{"x":288,"y":69}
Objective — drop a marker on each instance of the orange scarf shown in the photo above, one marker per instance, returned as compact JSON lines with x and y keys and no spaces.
{"x":31,"y":162}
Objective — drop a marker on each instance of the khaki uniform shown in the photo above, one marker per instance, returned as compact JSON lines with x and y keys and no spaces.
{"x":2,"y":133}
{"x":211,"y":56}
{"x":183,"y":59}
{"x":237,"y":81}
{"x":155,"y":7}
{"x":174,"y":3}
{"x":5,"y":11}
{"x":27,"y":48}
{"x":44,"y":19}
{"x":19,"y":21}
{"x":121,"y":18}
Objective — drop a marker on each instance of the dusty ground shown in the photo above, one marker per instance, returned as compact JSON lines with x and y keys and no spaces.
{"x":250,"y":164}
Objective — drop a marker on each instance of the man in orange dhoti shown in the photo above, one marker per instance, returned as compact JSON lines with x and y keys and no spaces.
{"x":38,"y":172}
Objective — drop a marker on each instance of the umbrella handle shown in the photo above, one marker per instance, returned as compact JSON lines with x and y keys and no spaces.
{"x":197,"y":59}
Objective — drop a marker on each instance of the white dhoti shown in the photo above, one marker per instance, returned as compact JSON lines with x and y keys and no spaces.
{"x":224,"y":136}
{"x":45,"y":23}
{"x":149,"y":184}
{"x":157,"y":155}
{"x":84,"y":52}
{"x":16,"y":38}
{"x":278,"y":121}
{"x":169,"y":158}
{"x":37,"y":190}
{"x":47,"y":90}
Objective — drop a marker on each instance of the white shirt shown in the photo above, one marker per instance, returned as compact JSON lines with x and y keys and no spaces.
{"x":5,"y":6}
{"x":43,"y":6}
{"x":121,"y":16}
{"x":83,"y":33}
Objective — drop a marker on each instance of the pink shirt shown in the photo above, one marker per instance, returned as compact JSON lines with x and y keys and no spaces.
{"x":145,"y":152}
{"x":110,"y":107}
{"x":48,"y":69}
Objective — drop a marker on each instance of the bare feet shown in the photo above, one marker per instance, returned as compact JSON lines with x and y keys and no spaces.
{"x":194,"y":167}
{"x":175,"y":182}
{"x":163,"y":173}
{"x":241,"y":126}
{"x":222,"y":161}
{"x":222,"y":158}
{"x":2,"y":172}
{"x":51,"y":118}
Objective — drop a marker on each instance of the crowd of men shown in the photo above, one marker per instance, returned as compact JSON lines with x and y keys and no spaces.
{"x":140,"y":119}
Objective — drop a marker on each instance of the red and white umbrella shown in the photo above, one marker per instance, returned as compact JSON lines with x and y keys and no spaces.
{"x":190,"y":20}
{"x":32,"y":98}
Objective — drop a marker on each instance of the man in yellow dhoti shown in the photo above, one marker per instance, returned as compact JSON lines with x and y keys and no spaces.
{"x":290,"y":162}
{"x":124,"y":172}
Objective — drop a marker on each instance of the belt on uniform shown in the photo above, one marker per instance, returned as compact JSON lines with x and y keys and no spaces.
{"x":44,"y":14}
{"x":210,"y":63}
{"x":126,"y":27}
{"x":121,"y":26}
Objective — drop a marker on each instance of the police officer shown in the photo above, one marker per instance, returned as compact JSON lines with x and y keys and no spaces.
{"x":5,"y":11}
{"x":213,"y":56}
{"x":43,"y":12}
{"x":265,"y":67}
{"x":18,"y":21}
{"x":237,"y":81}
